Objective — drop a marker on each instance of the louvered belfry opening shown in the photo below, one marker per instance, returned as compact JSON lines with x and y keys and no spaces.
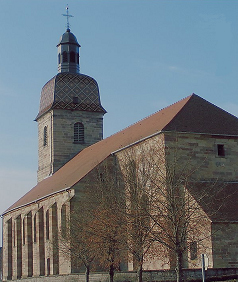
{"x":78,"y":133}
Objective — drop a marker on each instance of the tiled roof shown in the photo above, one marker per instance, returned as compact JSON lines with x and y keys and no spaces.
{"x":199,"y":114}
{"x":60,"y":93}
{"x":222,"y":206}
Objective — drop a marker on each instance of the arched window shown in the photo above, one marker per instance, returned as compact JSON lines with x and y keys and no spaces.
{"x":72,"y":57}
{"x":78,"y":132}
{"x":58,"y":58}
{"x":45,"y":137}
{"x":65,"y":57}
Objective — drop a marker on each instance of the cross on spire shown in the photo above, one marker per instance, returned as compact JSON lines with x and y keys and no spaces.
{"x":67,"y":16}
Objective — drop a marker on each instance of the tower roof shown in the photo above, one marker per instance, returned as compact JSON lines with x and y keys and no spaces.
{"x":62,"y":90}
{"x":68,"y":38}
{"x":193,"y":114}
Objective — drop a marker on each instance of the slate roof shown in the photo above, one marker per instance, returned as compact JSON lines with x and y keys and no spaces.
{"x":68,"y":38}
{"x":191,"y":114}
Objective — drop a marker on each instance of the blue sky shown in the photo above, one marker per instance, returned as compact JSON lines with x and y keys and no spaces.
{"x":144,"y":54}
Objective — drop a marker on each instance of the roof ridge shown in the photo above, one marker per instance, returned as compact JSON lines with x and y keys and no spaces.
{"x":87,"y":159}
{"x":162,"y":109}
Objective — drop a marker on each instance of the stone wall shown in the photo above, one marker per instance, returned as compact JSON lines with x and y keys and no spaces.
{"x":195,"y":275}
{"x":149,"y":155}
{"x":60,"y":146}
{"x":28,"y":235}
{"x":225,"y":246}
{"x":201,"y":152}
{"x":44,"y":151}
{"x":21,"y":223}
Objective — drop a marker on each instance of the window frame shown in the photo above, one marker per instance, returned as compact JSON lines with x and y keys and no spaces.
{"x":45,"y":136}
{"x":79,"y":133}
{"x":193,"y":250}
{"x":220,"y":150}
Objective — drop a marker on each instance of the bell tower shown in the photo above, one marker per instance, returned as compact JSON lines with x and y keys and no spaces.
{"x":70,"y":116}
{"x":68,"y":53}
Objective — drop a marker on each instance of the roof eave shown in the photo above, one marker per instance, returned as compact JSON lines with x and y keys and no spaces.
{"x":35,"y":201}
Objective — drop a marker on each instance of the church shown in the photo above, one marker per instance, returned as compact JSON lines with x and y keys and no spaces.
{"x":71,"y":147}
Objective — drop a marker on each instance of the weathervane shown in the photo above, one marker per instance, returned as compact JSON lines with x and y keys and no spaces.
{"x":68,"y":16}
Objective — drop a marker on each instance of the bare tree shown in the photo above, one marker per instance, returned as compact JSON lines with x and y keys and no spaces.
{"x":137,"y":216}
{"x":108,"y":228}
{"x":149,"y":200}
{"x":94,"y":232}
{"x":166,"y":202}
{"x":74,"y":240}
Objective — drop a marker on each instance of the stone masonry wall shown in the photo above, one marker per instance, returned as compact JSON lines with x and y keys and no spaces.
{"x":44,"y":152}
{"x":220,"y":274}
{"x":60,"y":146}
{"x":225,"y":246}
{"x":30,"y":225}
{"x":200,"y":151}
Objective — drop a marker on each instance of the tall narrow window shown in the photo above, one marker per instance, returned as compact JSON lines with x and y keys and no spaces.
{"x":55,"y":241}
{"x":77,"y":56}
{"x":9,"y":250}
{"x":65,"y":57}
{"x":29,"y":243}
{"x":41,"y":241}
{"x":220,"y":150}
{"x":193,"y":250}
{"x":19,"y":247}
{"x":14,"y":234}
{"x":23,"y":232}
{"x":48,"y":266}
{"x":63,"y":220}
{"x":78,"y":133}
{"x":45,"y":137}
{"x":58,"y":58}
{"x":34,"y":228}
{"x":47,"y":223}
{"x":72,"y":57}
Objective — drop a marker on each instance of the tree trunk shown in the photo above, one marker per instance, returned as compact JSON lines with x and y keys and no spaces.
{"x":87,"y":273}
{"x":139,"y":273}
{"x":179,"y":264}
{"x":111,"y":272}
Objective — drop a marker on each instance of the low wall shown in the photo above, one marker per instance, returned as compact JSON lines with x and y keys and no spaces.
{"x":193,"y":275}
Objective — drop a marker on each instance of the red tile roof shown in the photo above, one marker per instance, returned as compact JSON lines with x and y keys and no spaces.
{"x":192,"y":114}
{"x":200,"y":116}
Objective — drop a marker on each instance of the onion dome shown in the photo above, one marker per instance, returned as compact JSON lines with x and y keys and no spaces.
{"x":68,"y":38}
